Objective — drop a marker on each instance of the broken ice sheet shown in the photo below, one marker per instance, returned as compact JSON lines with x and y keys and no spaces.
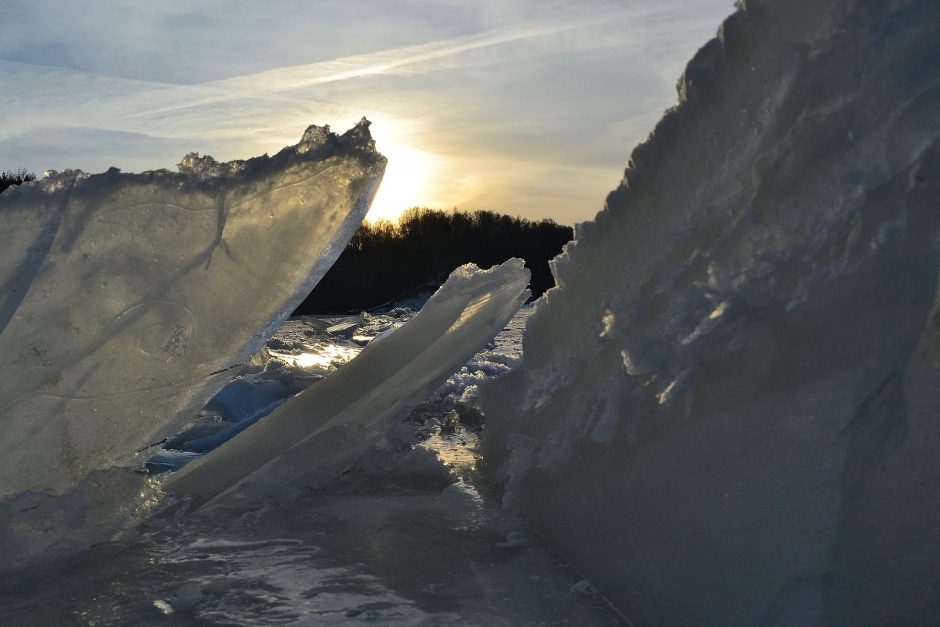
{"x":129,"y":299}
{"x":321,"y":432}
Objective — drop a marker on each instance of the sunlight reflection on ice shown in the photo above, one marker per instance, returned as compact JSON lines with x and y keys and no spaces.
{"x":324,"y":357}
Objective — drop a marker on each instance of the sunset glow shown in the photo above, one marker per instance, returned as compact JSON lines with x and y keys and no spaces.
{"x":405,"y":184}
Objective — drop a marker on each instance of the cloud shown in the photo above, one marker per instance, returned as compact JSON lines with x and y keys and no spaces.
{"x":501,"y":94}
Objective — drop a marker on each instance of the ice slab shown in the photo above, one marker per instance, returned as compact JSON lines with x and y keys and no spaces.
{"x":321,"y":432}
{"x":727,"y":413}
{"x":129,"y":299}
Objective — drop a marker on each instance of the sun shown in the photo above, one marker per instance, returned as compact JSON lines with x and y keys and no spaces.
{"x":405,"y":183}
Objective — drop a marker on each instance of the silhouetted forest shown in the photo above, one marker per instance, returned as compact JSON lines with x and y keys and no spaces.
{"x":9,"y":178}
{"x":385,"y":260}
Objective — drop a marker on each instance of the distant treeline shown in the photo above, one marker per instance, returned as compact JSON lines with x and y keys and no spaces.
{"x":384,"y":260}
{"x":10,"y":178}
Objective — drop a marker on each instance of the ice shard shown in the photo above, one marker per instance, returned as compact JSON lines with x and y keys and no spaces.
{"x":321,"y":432}
{"x":728,"y":412}
{"x":127,"y":300}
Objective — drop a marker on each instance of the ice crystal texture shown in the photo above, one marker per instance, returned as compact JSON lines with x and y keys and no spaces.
{"x":127,"y":300}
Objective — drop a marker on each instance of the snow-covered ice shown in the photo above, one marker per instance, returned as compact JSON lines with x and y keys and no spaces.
{"x":129,"y":299}
{"x":727,"y":413}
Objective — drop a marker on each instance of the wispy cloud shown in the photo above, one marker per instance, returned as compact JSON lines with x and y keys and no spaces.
{"x":557,"y":91}
{"x":406,"y":60}
{"x":83,"y":98}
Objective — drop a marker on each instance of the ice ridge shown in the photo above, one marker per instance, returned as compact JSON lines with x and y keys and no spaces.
{"x":726,"y":412}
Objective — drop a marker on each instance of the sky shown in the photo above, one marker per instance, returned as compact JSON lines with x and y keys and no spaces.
{"x":526,"y":107}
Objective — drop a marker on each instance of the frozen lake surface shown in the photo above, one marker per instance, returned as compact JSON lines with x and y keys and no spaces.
{"x":411,"y":535}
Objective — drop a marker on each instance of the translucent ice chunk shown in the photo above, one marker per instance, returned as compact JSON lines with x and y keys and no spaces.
{"x":319,"y":433}
{"x":126,"y":300}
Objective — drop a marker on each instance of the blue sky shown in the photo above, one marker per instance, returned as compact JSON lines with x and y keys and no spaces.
{"x":529,"y":108}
